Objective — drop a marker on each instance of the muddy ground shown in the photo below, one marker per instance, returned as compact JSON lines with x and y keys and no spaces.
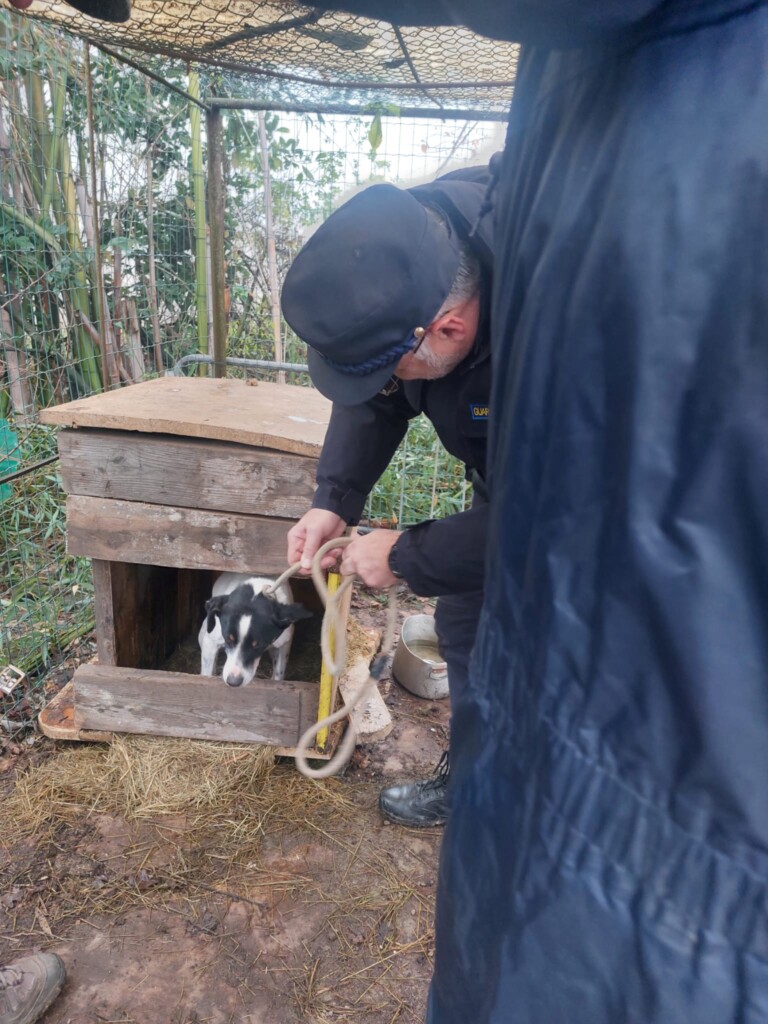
{"x":309,"y":908}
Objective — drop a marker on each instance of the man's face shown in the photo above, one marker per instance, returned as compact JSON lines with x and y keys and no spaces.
{"x":447,"y":343}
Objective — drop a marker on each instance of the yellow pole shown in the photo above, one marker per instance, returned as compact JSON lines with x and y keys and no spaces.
{"x":326,"y":680}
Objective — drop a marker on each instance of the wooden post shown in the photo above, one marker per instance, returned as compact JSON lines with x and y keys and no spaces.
{"x":201,"y":233}
{"x":151,"y":266}
{"x":274,"y":290}
{"x":108,"y":372}
{"x":216,"y":219}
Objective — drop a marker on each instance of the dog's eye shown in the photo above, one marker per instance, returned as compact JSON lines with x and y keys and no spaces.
{"x":231,"y":638}
{"x":254,"y":643}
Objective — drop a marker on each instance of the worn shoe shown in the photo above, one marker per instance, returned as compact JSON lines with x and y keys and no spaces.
{"x":419,"y":804}
{"x":28,"y":987}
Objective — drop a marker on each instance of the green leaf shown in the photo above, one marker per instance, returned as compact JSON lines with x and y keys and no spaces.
{"x":377,"y":107}
{"x":375,"y":134}
{"x":120,"y":243}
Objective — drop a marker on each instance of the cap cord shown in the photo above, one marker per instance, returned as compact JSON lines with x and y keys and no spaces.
{"x":374,"y":363}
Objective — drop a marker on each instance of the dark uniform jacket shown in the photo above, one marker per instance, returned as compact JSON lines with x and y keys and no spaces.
{"x":606,"y":859}
{"x":440,"y":556}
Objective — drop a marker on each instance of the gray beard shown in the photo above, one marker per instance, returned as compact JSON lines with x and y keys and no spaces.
{"x":440,"y":366}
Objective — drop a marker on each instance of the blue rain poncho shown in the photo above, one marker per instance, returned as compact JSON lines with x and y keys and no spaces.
{"x":606,"y":859}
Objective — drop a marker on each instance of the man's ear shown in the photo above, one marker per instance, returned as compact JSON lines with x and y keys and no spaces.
{"x":458,"y":324}
{"x":286,"y":614}
{"x":212,"y":607}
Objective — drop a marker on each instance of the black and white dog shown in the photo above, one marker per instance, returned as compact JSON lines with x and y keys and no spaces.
{"x":246,"y":622}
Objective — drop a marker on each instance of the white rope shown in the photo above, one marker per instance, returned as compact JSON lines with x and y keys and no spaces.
{"x":335,"y":663}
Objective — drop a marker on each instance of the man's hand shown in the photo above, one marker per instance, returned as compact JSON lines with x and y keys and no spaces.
{"x":367,"y":556}
{"x":310,"y":533}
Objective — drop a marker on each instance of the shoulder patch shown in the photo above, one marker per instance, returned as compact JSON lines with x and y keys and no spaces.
{"x":478,"y":412}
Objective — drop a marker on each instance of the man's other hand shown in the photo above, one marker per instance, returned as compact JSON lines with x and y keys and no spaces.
{"x":310,"y":533}
{"x":367,"y":557}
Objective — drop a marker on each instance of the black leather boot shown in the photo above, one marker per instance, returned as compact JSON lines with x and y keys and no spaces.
{"x":419,"y":804}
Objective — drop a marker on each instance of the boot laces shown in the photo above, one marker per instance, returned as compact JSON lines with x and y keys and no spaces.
{"x":10,"y":977}
{"x":440,"y":778}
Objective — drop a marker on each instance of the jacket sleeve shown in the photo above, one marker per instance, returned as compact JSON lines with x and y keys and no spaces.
{"x":445,"y":556}
{"x":359,"y":444}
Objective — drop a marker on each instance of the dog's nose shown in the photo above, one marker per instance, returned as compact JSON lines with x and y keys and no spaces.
{"x":234,"y":680}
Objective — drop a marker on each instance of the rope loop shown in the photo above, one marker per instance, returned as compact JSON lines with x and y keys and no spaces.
{"x":335,"y":661}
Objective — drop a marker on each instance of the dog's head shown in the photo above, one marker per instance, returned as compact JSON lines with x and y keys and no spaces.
{"x":249,"y":624}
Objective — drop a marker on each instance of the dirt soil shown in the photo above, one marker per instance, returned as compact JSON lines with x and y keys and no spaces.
{"x":327,"y":917}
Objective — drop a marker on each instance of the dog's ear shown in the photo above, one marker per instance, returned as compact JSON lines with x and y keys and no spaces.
{"x":286,"y":614}
{"x":212,"y":606}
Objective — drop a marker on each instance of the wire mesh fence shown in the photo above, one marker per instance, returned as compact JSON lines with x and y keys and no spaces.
{"x":105,"y":280}
{"x":290,"y":53}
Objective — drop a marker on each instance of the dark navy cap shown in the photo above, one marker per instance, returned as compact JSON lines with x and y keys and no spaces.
{"x":375,"y":271}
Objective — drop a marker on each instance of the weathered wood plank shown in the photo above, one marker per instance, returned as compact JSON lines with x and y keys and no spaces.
{"x":104,"y":600}
{"x":57,"y":720}
{"x":274,"y":712}
{"x":190,"y":473}
{"x":133,"y":531}
{"x":280,"y":416}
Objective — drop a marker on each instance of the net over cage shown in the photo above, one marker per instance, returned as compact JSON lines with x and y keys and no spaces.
{"x":293,"y":50}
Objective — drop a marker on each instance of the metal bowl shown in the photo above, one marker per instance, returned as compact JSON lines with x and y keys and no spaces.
{"x":418,"y":665}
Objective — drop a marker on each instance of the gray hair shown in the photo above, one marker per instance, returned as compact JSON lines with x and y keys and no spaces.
{"x":466,"y":283}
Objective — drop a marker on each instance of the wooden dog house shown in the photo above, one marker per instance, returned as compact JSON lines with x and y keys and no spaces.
{"x":168,"y":483}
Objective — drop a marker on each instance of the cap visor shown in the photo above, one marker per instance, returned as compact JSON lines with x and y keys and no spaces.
{"x":346,"y":388}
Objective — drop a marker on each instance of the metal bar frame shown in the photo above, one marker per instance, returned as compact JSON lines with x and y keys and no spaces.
{"x":439,"y":113}
{"x":253,"y":364}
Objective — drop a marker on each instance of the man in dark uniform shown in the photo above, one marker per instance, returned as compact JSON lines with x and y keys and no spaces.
{"x":391,"y":295}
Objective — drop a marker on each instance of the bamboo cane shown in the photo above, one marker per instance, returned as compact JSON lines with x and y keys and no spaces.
{"x":274,"y":291}
{"x":198,"y":192}
{"x":151,"y":269}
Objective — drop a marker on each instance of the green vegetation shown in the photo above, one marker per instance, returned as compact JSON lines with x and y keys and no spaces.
{"x":45,"y":595}
{"x":421,"y":482}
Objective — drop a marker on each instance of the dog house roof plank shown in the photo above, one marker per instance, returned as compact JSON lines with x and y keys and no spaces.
{"x":280,"y":416}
